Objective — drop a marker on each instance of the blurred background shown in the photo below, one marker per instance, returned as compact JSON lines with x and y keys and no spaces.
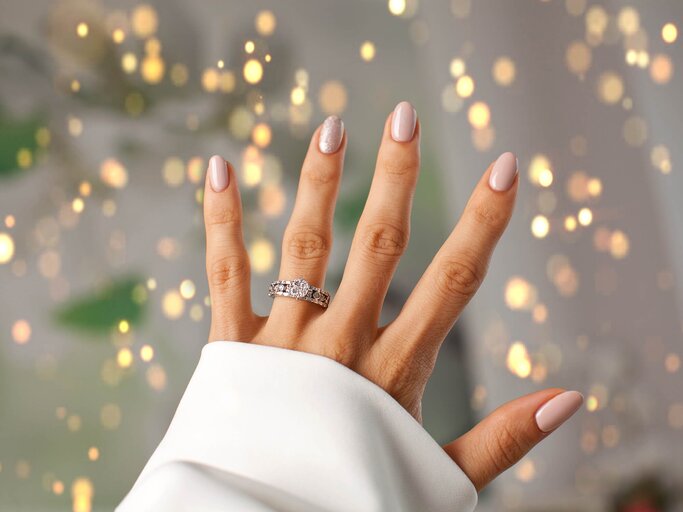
{"x":110,"y":109}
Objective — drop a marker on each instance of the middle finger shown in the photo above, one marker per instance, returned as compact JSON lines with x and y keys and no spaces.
{"x":383,"y":230}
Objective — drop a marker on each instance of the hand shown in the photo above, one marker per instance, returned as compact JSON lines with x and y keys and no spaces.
{"x":400,"y":356}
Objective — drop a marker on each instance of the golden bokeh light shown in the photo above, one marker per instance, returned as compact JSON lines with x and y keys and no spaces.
{"x":173,"y":305}
{"x":628,"y":21}
{"x":504,"y":71}
{"x":619,"y":245}
{"x":113,"y":174}
{"x":661,"y":158}
{"x":578,"y":57}
{"x":144,"y":20}
{"x":483,"y":138}
{"x":21,"y":332}
{"x":570,"y":223}
{"x":672,"y":363}
{"x":118,"y":35}
{"x":93,"y":453}
{"x":585,"y":216}
{"x":518,"y":360}
{"x":124,"y":357}
{"x":187,"y":289}
{"x":173,"y":171}
{"x":610,"y":87}
{"x":6,"y":247}
{"x":525,"y":470}
{"x":82,"y":29}
{"x":520,"y":294}
{"x":153,"y":69}
{"x":156,"y":377}
{"x":457,"y":67}
{"x":129,"y":62}
{"x":265,"y":23}
{"x":110,"y":416}
{"x":333,"y":97}
{"x":195,"y":169}
{"x":252,"y":166}
{"x":575,"y":7}
{"x":545,"y":178}
{"x":253,"y":71}
{"x":596,"y":20}
{"x":261,"y":135}
{"x":146,"y":353}
{"x":124,"y":326}
{"x":272,"y":200}
{"x":262,"y":255}
{"x":661,"y":69}
{"x":479,"y":115}
{"x":82,"y":491}
{"x":397,"y":7}
{"x":669,"y":33}
{"x":464,"y":86}
{"x":540,"y":226}
{"x":367,"y":51}
{"x":540,"y":166}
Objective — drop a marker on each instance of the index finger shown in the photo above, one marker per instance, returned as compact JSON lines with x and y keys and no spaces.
{"x":459,"y":267}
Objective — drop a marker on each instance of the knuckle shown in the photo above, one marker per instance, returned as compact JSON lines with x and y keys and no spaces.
{"x":320,"y":174}
{"x":459,"y":278}
{"x":385,"y":241}
{"x":400,"y":166}
{"x":503,"y":446}
{"x":222,"y":216}
{"x":342,"y":352}
{"x":226,"y":271}
{"x":403,"y":373}
{"x":307,"y":245}
{"x":489,"y":215}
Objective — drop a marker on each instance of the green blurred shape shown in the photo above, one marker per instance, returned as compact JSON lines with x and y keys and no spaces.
{"x":14,"y":136}
{"x":103,"y":309}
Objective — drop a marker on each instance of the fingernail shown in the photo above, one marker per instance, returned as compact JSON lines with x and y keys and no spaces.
{"x":218,"y":173}
{"x":331,"y":135}
{"x":503,"y":172}
{"x":557,"y":410}
{"x":403,"y":122}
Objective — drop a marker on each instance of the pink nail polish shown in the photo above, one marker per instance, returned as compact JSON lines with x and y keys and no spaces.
{"x":557,"y":410}
{"x":403,"y":122}
{"x":218,"y":174}
{"x":504,"y":172}
{"x":331,"y":135}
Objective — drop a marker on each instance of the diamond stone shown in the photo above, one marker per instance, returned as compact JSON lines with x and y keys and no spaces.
{"x":299,"y":288}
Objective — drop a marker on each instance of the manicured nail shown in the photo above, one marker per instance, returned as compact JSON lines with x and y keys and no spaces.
{"x":557,"y":410}
{"x":218,"y":173}
{"x":331,"y":135}
{"x":504,"y":172}
{"x":403,"y":122}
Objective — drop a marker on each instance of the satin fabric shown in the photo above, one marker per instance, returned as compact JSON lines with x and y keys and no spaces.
{"x":268,"y":429}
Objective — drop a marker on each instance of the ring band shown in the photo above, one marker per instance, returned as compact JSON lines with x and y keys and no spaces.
{"x":299,"y":289}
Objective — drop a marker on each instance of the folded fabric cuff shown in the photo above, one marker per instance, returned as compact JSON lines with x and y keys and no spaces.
{"x":312,"y":428}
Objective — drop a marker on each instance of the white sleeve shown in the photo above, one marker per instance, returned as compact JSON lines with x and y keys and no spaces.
{"x":268,"y":429}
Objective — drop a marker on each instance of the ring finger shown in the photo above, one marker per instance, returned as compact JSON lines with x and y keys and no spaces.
{"x":308,"y":237}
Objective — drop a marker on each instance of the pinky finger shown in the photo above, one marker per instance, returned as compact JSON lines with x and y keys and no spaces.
{"x":227,"y":262}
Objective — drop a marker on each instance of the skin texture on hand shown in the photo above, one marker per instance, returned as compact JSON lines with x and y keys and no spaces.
{"x":399,"y":356}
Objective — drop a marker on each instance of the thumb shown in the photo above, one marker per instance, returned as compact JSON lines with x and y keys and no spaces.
{"x":508,"y":433}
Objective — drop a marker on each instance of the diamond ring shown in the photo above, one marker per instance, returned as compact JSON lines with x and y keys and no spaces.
{"x":299,"y":289}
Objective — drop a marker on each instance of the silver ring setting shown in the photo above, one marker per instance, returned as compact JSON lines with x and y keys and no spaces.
{"x":299,"y":289}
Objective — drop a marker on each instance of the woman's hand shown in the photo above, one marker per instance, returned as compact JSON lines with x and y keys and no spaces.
{"x":400,"y":356}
